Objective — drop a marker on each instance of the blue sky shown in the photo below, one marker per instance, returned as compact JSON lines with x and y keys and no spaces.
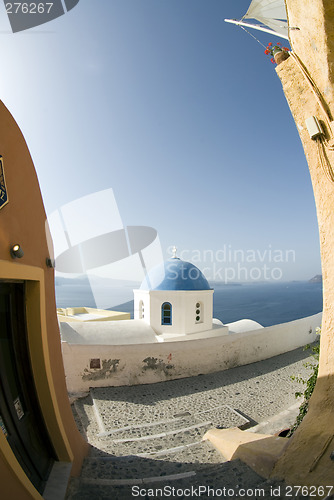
{"x":180,"y":113}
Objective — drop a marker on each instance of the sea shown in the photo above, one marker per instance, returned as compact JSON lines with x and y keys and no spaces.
{"x":268,"y":303}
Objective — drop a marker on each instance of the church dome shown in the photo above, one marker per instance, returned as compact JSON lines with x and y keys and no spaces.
{"x":175,"y":274}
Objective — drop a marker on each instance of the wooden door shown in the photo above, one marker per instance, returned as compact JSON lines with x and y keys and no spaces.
{"x":21,"y":419}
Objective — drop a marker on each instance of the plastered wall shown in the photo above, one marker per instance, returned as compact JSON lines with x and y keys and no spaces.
{"x":156,"y":362}
{"x":307,"y":81}
{"x":22,"y":220}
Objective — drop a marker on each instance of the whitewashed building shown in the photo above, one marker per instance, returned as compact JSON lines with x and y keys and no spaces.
{"x":176,"y":298}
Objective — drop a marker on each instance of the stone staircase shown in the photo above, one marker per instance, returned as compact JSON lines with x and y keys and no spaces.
{"x":150,"y":436}
{"x":147,"y":448}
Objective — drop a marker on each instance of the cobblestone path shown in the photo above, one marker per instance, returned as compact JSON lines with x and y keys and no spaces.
{"x":147,"y":440}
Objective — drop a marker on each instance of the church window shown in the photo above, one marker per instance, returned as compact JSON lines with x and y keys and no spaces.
{"x":198,"y":312}
{"x":166,"y":313}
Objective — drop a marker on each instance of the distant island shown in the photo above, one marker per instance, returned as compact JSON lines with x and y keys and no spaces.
{"x":316,"y":279}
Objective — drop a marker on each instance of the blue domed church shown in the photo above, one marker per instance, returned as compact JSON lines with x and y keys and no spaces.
{"x":175,"y":297}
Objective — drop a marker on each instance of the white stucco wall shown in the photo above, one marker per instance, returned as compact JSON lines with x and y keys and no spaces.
{"x":108,"y":332}
{"x":156,"y":362}
{"x":183,"y":309}
{"x":243,"y":325}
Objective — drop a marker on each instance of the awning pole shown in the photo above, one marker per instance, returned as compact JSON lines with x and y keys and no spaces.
{"x":256,"y":27}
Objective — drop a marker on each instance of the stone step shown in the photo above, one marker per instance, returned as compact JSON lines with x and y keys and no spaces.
{"x":115,"y":414}
{"x":154,"y":444}
{"x":232,"y":480}
{"x":201,"y":451}
{"x":229,"y":475}
{"x":98,"y":418}
{"x":141,"y":430}
{"x":199,"y":457}
{"x":131,"y":467}
{"x":154,"y":431}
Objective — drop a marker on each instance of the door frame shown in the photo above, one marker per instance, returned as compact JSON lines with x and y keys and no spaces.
{"x":27,"y":433}
{"x":37,"y":341}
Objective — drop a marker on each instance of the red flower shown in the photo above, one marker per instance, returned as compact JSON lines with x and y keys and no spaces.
{"x":272,"y":48}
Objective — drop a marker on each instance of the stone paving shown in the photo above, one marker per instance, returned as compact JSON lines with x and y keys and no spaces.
{"x":147,"y":440}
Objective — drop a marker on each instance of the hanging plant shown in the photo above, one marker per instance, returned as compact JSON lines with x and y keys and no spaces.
{"x":277,"y":52}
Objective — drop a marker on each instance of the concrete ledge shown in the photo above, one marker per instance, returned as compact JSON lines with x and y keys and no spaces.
{"x":89,"y":314}
{"x":258,"y":451}
{"x":283,"y":420}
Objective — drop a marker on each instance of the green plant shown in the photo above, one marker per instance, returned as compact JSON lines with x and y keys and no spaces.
{"x":310,"y":383}
{"x":273,"y":49}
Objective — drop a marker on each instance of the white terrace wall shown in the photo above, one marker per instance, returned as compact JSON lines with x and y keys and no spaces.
{"x":134,"y":364}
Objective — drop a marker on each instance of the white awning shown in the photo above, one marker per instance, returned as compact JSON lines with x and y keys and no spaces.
{"x":270,"y":13}
{"x":267,"y":9}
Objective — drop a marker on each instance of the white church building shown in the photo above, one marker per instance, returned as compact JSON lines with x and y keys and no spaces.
{"x":176,"y":298}
{"x":173,"y":303}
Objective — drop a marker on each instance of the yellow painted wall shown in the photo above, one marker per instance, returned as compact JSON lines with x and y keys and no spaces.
{"x":308,"y":84}
{"x":22,"y":221}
